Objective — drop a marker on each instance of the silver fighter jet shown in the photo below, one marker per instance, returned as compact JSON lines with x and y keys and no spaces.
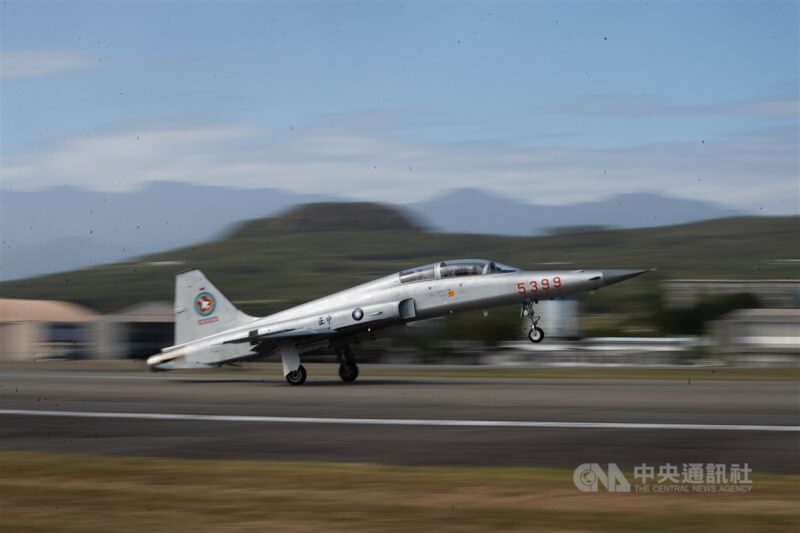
{"x":210,"y":331}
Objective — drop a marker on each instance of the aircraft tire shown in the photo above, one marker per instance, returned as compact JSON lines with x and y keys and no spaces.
{"x":298,"y":377}
{"x":536,"y":334}
{"x":348,"y":372}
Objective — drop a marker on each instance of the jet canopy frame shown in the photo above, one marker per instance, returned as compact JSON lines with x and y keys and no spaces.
{"x":454,"y":268}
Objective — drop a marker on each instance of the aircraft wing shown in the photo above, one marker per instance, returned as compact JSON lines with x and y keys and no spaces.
{"x":328,"y":324}
{"x":254,"y":337}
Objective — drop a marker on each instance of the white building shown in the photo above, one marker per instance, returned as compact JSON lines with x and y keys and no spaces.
{"x":758,"y":337}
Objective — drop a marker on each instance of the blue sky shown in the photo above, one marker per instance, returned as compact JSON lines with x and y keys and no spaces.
{"x":546,"y":102}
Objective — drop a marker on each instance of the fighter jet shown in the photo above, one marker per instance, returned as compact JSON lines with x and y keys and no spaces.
{"x":210,"y":331}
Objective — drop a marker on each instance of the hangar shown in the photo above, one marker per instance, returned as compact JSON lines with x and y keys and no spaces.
{"x":35,"y":329}
{"x":135,"y":332}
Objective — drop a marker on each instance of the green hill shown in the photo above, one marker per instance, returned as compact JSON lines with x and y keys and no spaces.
{"x":268,"y":264}
{"x":329,"y":216}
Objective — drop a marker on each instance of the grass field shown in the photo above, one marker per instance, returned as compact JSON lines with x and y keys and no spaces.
{"x":41,"y":492}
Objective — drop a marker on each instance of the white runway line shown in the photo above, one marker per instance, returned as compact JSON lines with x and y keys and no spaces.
{"x":399,"y":421}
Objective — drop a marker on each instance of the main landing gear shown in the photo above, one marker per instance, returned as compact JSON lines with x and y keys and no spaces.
{"x":536,"y":334}
{"x":297,"y":377}
{"x":348,"y":369}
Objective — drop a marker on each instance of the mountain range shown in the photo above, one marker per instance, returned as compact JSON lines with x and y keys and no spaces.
{"x":67,"y":228}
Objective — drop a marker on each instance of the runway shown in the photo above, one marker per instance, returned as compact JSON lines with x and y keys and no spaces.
{"x":123,"y":410}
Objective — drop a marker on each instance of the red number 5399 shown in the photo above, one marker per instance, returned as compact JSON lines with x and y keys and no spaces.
{"x":534,"y":286}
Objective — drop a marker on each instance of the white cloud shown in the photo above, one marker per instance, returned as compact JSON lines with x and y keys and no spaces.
{"x":759,"y":175}
{"x":40,"y":62}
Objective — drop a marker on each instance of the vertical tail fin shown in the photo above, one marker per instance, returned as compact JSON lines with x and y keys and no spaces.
{"x":201,"y":309}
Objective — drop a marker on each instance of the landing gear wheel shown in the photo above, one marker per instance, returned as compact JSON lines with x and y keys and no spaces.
{"x":348,"y":372}
{"x":536,"y":334}
{"x":297,"y":377}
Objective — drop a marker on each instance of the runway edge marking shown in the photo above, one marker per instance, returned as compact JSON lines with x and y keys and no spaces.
{"x":399,"y":421}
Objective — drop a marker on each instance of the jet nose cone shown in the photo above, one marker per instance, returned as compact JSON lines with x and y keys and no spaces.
{"x":615,"y":276}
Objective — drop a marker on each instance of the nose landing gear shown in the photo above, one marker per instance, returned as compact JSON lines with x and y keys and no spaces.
{"x":536,"y":334}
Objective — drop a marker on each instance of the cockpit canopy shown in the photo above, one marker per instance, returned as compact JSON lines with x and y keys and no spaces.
{"x":449,"y":269}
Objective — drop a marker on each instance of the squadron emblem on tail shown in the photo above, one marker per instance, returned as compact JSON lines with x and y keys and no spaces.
{"x":205,"y":303}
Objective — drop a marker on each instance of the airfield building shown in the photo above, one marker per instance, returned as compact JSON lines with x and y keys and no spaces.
{"x":37,"y":329}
